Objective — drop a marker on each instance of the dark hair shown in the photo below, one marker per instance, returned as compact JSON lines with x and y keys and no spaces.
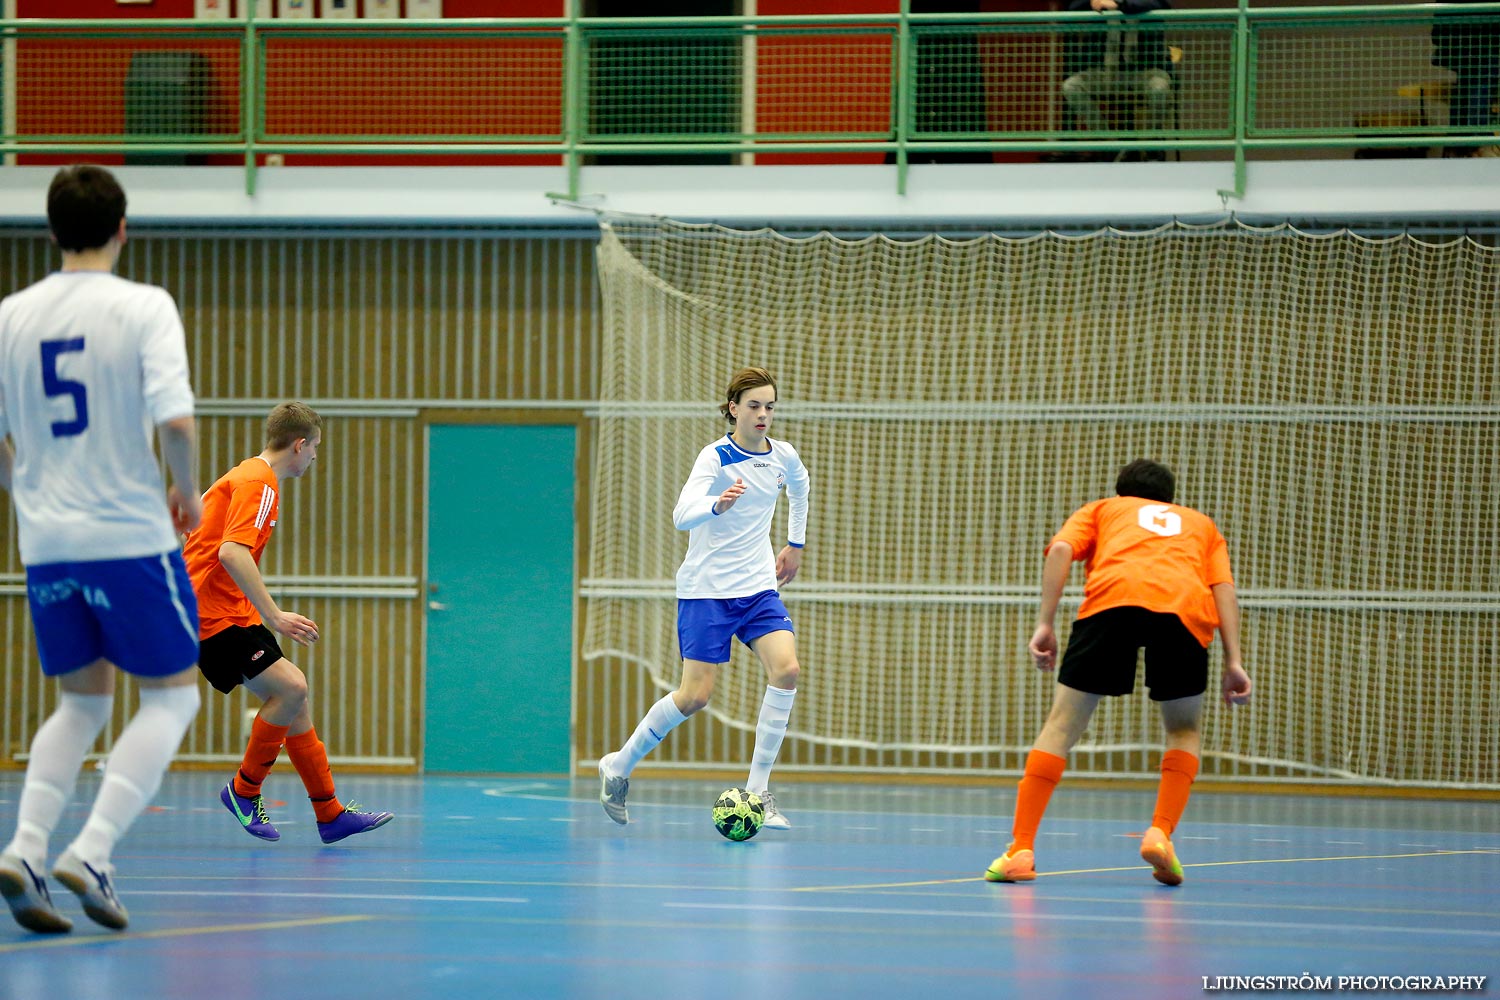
{"x":1146,"y":479}
{"x":743,"y":381}
{"x":84,"y":207}
{"x":289,"y":422}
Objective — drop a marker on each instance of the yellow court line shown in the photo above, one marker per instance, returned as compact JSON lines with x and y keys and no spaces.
{"x":63,"y":941}
{"x":1136,"y":868}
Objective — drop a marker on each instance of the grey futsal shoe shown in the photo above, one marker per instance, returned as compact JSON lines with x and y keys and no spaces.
{"x":774,"y":819}
{"x":612,"y":792}
{"x":94,"y":888}
{"x":30,"y":902}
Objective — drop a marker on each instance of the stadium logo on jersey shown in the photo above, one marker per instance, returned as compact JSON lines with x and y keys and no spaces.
{"x":1159,"y":519}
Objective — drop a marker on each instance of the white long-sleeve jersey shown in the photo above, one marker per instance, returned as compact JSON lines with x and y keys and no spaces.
{"x":730,"y":554}
{"x":90,"y":363}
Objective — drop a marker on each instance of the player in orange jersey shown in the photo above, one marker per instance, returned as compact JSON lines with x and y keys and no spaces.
{"x":239,"y":622}
{"x":1158,"y":577}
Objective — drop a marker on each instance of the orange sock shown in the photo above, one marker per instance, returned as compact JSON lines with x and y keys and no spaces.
{"x":310,"y":758}
{"x":260,"y":756}
{"x":1178,"y":769}
{"x":1043,"y":771}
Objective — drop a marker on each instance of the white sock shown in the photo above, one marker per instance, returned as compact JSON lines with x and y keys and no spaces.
{"x":770,"y":729}
{"x":57,"y":753}
{"x":662,"y":718}
{"x":133,"y":772}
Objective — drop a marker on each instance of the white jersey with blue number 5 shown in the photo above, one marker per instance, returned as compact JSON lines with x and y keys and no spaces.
{"x":730,"y":554}
{"x":90,"y":363}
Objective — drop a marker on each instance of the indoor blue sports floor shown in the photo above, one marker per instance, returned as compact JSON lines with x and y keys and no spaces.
{"x":514,"y":888}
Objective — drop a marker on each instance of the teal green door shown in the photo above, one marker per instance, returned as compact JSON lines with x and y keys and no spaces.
{"x":499,"y":678}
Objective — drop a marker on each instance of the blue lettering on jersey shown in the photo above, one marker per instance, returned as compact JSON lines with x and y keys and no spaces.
{"x":57,"y":591}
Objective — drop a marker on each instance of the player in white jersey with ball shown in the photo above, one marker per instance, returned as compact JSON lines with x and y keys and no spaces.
{"x":727,"y":586}
{"x":91,"y":368}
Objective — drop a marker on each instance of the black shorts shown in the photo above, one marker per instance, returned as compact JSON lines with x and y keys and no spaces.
{"x":227,"y":658}
{"x":1101,"y":655}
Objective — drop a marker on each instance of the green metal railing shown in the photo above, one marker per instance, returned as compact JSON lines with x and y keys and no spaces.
{"x":898,"y":88}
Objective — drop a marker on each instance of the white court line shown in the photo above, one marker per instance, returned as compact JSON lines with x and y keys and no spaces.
{"x":529,"y":786}
{"x":391,"y":897}
{"x":507,"y":791}
{"x":1092,"y":918}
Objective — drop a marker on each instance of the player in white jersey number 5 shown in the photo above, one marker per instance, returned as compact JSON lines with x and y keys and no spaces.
{"x":727,"y":586}
{"x":90,"y":366}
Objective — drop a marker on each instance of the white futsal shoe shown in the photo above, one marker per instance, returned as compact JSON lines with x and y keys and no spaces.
{"x":774,"y":819}
{"x":95,"y":889}
{"x":612,"y":792}
{"x":30,"y":902}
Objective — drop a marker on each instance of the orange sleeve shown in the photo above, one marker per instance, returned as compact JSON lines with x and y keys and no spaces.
{"x":1080,"y":531}
{"x":1218,"y":561}
{"x":250,"y":506}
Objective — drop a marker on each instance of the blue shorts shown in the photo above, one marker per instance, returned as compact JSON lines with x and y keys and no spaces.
{"x":706,"y":624}
{"x":140,"y":614}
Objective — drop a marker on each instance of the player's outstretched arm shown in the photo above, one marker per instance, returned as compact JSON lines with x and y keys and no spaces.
{"x":240,"y":565}
{"x":1043,"y":643}
{"x":179,"y":447}
{"x":1235,"y":683}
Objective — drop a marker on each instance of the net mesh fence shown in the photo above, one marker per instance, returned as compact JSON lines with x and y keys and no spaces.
{"x":1401,"y":74}
{"x":458,"y":85}
{"x":1330,"y":78}
{"x":1330,"y":400}
{"x":173,"y":85}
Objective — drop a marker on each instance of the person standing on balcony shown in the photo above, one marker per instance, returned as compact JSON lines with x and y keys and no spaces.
{"x":92,"y":366}
{"x":1118,"y":61}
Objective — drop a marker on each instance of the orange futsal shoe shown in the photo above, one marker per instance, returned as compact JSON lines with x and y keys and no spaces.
{"x":1012,"y":866}
{"x":1156,"y":850}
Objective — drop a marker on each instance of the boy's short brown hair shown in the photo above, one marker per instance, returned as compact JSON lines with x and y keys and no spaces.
{"x":290,"y":422}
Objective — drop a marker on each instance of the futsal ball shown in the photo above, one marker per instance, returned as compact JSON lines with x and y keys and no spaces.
{"x":738,"y":814}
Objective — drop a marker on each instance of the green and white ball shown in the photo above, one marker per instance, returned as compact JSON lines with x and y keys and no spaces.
{"x":738,"y":814}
